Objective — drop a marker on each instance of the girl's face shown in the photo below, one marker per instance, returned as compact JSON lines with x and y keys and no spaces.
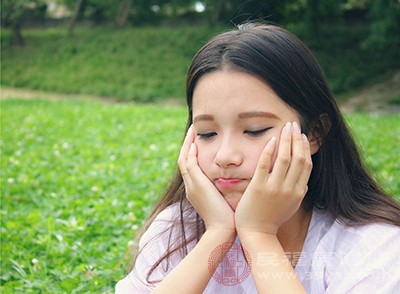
{"x":234,"y":115}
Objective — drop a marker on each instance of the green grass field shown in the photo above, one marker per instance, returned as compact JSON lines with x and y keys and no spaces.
{"x":79,"y":177}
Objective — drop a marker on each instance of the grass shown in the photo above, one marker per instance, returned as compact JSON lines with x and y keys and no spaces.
{"x":79,"y":177}
{"x":76,"y":178}
{"x":150,"y":63}
{"x":133,"y":64}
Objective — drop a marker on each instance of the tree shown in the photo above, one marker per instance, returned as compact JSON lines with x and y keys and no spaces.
{"x":14,"y":13}
{"x":123,"y":13}
{"x":77,"y":11}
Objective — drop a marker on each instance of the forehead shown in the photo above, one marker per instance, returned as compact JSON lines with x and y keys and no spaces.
{"x":233,"y":92}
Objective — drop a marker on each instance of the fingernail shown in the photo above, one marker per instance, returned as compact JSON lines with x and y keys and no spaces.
{"x":288,"y":129}
{"x":296,"y":128}
{"x":272,"y":142}
{"x":305,"y":139}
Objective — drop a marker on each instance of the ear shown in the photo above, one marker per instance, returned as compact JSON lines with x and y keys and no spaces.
{"x":318,"y":131}
{"x":314,"y":144}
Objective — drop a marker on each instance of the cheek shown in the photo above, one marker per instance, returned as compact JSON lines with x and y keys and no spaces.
{"x":254,"y":156}
{"x":204,"y":158}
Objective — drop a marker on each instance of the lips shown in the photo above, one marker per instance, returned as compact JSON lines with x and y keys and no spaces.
{"x":228,"y":182}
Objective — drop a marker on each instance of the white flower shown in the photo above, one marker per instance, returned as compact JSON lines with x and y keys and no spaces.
{"x":131,"y":243}
{"x":36,"y":266}
{"x":95,"y":189}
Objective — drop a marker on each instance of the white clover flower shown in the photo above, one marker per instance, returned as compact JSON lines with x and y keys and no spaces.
{"x":36,"y":266}
{"x":131,"y":243}
{"x":95,"y":189}
{"x":35,"y":261}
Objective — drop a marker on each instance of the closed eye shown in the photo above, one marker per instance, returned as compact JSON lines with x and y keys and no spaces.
{"x":257,"y":132}
{"x":206,"y":136}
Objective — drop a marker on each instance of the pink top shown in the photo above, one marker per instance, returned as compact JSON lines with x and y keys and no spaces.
{"x":335,"y":259}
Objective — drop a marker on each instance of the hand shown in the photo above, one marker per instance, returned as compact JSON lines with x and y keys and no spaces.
{"x":200,"y":191}
{"x":273,"y":197}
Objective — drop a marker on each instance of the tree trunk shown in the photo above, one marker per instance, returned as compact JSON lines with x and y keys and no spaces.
{"x":77,"y":9}
{"x":123,"y":13}
{"x":18,"y":39}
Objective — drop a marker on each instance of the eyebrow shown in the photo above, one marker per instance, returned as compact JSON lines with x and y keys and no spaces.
{"x":203,"y":117}
{"x":242,"y":115}
{"x":251,"y":114}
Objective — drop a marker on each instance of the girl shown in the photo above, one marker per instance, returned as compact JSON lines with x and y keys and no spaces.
{"x":271,"y":194}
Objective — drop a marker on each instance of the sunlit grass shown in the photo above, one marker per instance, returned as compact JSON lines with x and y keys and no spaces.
{"x":76,"y":176}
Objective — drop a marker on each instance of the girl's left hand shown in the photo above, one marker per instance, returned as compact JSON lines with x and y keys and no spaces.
{"x":273,"y":197}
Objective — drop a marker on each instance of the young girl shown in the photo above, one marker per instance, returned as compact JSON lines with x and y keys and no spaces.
{"x":271,"y":194}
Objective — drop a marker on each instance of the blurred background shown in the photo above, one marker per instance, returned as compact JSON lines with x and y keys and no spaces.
{"x":139,"y":50}
{"x":92,"y":117}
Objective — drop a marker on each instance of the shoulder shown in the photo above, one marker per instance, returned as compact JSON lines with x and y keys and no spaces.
{"x":343,"y":238}
{"x":356,"y":258}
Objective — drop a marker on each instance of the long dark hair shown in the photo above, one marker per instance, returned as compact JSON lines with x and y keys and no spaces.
{"x":339,"y":184}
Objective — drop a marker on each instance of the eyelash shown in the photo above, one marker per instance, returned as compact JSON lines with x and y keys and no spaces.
{"x":208,"y":136}
{"x":257,"y":132}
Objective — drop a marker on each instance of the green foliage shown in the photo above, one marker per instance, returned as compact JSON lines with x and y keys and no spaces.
{"x":346,"y":63}
{"x":78,"y":179}
{"x":384,"y":38}
{"x":13,"y":12}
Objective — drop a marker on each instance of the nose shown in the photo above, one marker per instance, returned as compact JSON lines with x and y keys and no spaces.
{"x":229,"y":153}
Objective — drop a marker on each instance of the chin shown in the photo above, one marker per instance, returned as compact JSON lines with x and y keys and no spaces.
{"x":233,"y":201}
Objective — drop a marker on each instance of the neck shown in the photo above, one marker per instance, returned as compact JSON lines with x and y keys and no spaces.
{"x":292,"y":233}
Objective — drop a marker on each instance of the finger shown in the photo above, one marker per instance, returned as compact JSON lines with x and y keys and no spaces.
{"x":192,"y":163}
{"x":264,"y":163}
{"x":298,"y":158}
{"x":307,"y":167}
{"x":284,"y":155}
{"x":183,"y":155}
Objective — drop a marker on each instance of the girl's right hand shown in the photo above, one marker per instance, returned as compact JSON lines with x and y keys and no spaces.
{"x":200,"y":191}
